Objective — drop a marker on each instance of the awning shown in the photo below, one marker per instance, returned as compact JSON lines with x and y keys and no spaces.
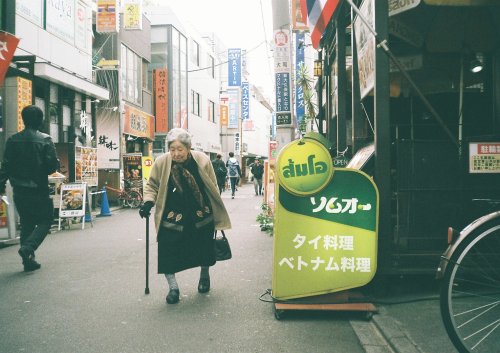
{"x":70,"y":80}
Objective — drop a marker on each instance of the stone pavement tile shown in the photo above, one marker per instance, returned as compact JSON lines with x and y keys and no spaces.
{"x":397,"y":338}
{"x":369,"y":337}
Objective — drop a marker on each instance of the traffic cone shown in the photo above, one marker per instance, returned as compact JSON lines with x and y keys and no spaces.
{"x":104,"y":204}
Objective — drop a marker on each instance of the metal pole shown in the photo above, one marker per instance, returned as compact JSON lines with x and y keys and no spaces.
{"x":146,"y":291}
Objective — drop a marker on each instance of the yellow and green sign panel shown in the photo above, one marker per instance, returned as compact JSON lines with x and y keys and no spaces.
{"x":325,"y":237}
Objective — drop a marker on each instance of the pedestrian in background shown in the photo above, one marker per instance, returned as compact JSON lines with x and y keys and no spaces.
{"x":29,"y":158}
{"x":183,"y":188}
{"x":220,"y":172}
{"x":257,"y":170}
{"x":234,"y":172}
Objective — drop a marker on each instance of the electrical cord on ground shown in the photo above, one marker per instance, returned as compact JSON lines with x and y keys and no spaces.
{"x":364,"y":300}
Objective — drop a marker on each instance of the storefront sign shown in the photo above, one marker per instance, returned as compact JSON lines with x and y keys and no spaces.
{"x":83,"y":27}
{"x":138,"y":123}
{"x":484,"y":157}
{"x":398,"y":6}
{"x":60,"y":19}
{"x":325,"y":237}
{"x":31,"y":10}
{"x":132,"y":169}
{"x":237,"y":143}
{"x":160,"y":85}
{"x":406,"y":33}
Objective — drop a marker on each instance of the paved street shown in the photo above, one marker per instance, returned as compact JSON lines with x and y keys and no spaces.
{"x":89,"y":296}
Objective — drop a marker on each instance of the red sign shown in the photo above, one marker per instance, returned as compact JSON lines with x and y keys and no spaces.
{"x":8,"y":45}
{"x":161,"y":99}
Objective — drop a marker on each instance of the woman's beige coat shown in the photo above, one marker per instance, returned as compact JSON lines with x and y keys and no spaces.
{"x":156,"y":188}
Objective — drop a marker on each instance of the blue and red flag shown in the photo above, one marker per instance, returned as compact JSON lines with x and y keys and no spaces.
{"x":318,"y":14}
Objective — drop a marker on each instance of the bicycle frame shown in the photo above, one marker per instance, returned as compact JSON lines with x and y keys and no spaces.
{"x":463,"y":235}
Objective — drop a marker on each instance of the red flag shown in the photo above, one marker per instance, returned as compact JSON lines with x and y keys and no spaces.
{"x":8,"y":45}
{"x":318,"y":14}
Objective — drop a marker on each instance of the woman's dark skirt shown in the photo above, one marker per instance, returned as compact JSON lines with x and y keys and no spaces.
{"x":178,"y":251}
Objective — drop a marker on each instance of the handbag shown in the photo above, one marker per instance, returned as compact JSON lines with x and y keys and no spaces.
{"x":222,"y":248}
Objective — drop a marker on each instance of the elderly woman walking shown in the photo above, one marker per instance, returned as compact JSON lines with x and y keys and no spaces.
{"x":183,"y":188}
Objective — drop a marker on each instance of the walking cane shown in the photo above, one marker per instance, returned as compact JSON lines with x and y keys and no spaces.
{"x":146,"y":291}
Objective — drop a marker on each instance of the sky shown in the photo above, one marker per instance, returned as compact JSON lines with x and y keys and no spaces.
{"x":245,"y":24}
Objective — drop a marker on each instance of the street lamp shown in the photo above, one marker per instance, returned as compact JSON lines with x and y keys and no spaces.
{"x":318,"y":68}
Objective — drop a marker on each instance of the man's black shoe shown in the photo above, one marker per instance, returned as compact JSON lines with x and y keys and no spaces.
{"x":173,"y":296}
{"x":26,"y":254}
{"x":204,"y":285}
{"x":31,"y":265}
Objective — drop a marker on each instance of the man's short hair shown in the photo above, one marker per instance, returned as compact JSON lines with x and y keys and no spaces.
{"x":231,"y":154}
{"x":219,"y":156}
{"x":32,"y":116}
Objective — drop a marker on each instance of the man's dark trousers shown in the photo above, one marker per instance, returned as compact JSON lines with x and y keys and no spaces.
{"x":36,"y":212}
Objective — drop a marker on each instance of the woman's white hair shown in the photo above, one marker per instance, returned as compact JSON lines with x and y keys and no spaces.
{"x":181,"y":135}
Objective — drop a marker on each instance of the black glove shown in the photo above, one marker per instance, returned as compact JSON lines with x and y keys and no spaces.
{"x":145,"y":210}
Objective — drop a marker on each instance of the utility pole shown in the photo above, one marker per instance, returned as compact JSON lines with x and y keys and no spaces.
{"x":281,"y":21}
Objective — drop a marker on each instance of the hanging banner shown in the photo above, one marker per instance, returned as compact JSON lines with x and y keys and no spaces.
{"x":132,"y":14}
{"x":365,"y":43}
{"x":160,"y":84}
{"x":325,"y":225}
{"x":299,"y":62}
{"x":107,"y":16}
{"x":108,"y":139}
{"x":234,"y":108}
{"x":8,"y":47}
{"x":234,"y":67}
{"x":298,"y":21}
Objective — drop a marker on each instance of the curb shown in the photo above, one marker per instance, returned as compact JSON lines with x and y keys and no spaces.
{"x":383,"y":334}
{"x":394,"y":335}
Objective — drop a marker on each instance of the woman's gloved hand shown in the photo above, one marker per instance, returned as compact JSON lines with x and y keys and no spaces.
{"x":145,"y":210}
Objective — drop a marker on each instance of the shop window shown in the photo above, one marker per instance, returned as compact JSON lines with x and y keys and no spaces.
{"x":131,"y":76}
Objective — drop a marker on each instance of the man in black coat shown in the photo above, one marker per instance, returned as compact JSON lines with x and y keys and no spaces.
{"x":29,"y":158}
{"x":257,"y":170}
{"x":220,"y":172}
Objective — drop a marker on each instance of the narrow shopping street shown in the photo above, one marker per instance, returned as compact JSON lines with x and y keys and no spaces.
{"x":89,"y":296}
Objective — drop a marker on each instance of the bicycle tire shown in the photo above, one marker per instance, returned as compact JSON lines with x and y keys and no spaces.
{"x":134,"y":199}
{"x":470,"y":292}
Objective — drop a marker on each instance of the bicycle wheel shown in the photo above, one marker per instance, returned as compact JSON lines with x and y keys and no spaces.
{"x":134,"y":199}
{"x":470,"y":295}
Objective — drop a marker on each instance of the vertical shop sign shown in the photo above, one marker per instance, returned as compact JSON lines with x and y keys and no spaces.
{"x":298,"y":21}
{"x":224,"y":113}
{"x":299,"y":62}
{"x":83,"y":25}
{"x":132,"y":14}
{"x":24,"y":98}
{"x":237,"y":143}
{"x":326,"y":222}
{"x":245,"y":101}
{"x":234,"y":108}
{"x":107,"y":16}
{"x":282,"y":69}
{"x":234,"y":67}
{"x":161,"y":99}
